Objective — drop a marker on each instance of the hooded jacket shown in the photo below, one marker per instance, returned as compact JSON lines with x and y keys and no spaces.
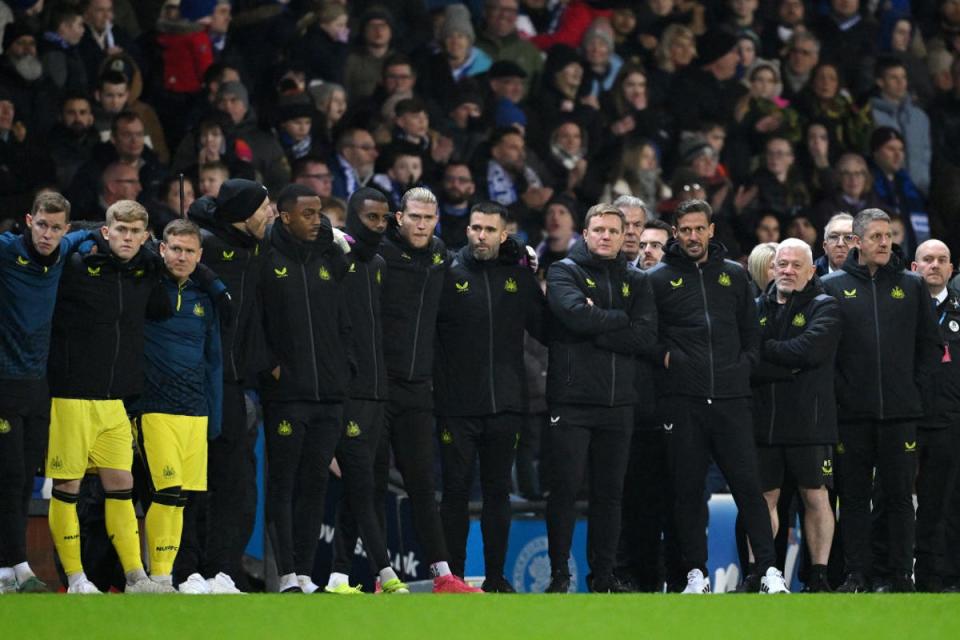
{"x":593,"y":347}
{"x":485,"y":307}
{"x":793,"y":400}
{"x":890,"y":343}
{"x":412,"y":285}
{"x":305,"y":318}
{"x":946,"y":408}
{"x":708,"y":324}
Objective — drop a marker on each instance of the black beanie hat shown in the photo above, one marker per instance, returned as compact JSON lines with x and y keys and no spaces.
{"x":239,"y":199}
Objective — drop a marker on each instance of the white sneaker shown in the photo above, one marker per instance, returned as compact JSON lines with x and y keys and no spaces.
{"x":773,"y":582}
{"x":83,"y":586}
{"x":8,"y":584}
{"x":307,"y":585}
{"x":194,"y":585}
{"x":146,"y":585}
{"x":696,"y":583}
{"x":222,"y":584}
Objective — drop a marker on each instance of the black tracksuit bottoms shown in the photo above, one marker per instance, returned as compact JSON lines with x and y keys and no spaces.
{"x":575,"y":448}
{"x":462,"y":439}
{"x":936,"y":481}
{"x":695,"y":430}
{"x":24,"y":428}
{"x":891,"y":447}
{"x":358,"y":508}
{"x":301,"y":439}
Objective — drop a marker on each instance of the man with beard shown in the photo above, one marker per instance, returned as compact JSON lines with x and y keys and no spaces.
{"x":353,"y":163}
{"x":489,"y":300}
{"x":458,"y":189}
{"x":709,"y":338}
{"x":21,"y":74}
{"x":71,"y":141}
{"x":838,"y":239}
{"x":887,"y":355}
{"x":510,"y":181}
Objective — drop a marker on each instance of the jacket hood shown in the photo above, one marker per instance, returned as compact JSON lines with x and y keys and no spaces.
{"x":393,"y":233}
{"x":812,"y":290}
{"x":580,"y":254}
{"x":297,"y":249}
{"x":852,"y":265}
{"x":674,"y":256}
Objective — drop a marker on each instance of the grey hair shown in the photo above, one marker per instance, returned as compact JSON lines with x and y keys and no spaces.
{"x":417,"y":194}
{"x":627,"y":201}
{"x":865,"y":217}
{"x":803,"y":36}
{"x":843,"y":216}
{"x":796,"y":243}
{"x":759,"y":261}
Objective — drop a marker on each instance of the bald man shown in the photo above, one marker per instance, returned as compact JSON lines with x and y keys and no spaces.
{"x":938,"y":439}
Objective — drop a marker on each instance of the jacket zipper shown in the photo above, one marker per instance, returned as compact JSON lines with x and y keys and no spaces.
{"x":373,"y":334}
{"x":313,"y":348}
{"x":116,"y":328}
{"x":876,"y":324}
{"x":613,"y":355}
{"x":236,"y":328}
{"x":706,"y":315}
{"x":416,"y":327}
{"x":493,"y":393}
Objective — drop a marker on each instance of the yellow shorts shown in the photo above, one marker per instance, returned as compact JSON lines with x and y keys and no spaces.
{"x":88,"y":435}
{"x":174,"y":450}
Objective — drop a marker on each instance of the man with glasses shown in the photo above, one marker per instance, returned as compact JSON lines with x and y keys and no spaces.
{"x":803,"y":55}
{"x":313,"y":172}
{"x":635,"y":216}
{"x":354,"y":161}
{"x":855,"y":192}
{"x":837,"y":241}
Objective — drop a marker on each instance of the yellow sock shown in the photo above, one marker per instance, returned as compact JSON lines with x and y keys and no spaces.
{"x":164,"y":527}
{"x":121,"y":521}
{"x":65,"y":529}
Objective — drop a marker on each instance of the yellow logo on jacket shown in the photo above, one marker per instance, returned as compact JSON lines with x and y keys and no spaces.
{"x":353,"y":267}
{"x":897,"y":293}
{"x":510,"y":286}
{"x":625,"y":289}
{"x":463,"y":287}
{"x":852,"y":293}
{"x":284,"y":428}
{"x":437,"y":258}
{"x":910,"y":446}
{"x":93,"y":271}
{"x":280,"y":273}
{"x":324,"y":273}
{"x":591,"y":283}
{"x":446,"y":437}
{"x":23,"y":262}
{"x":228,"y":255}
{"x":676,"y":284}
{"x":724,"y":279}
{"x":763,"y":321}
{"x":827,"y":467}
{"x":379,"y":277}
{"x":5,"y":426}
{"x":799,"y":320}
{"x":353,"y":429}
{"x":199,"y":311}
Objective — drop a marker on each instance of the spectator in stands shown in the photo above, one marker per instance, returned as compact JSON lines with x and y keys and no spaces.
{"x":895,"y":187}
{"x":603,"y":64}
{"x":320,"y":45}
{"x":455,"y":199}
{"x":778,"y":37}
{"x":365,"y":62}
{"x":708,"y":89}
{"x":330,"y":101}
{"x":24,"y":165}
{"x":21,"y":75}
{"x":675,"y":50}
{"x":72,"y":139}
{"x":501,"y":41}
{"x":817,"y":154}
{"x":403,"y":170}
{"x":59,"y":53}
{"x":848,"y":39}
{"x":313,"y":172}
{"x":295,"y":120}
{"x":457,"y":60}
{"x":628,"y":113}
{"x":101,"y":37}
{"x":124,"y":64}
{"x":802,"y":57}
{"x":211,"y":176}
{"x":854,"y":190}
{"x":352,"y":165}
{"x":826,"y":99}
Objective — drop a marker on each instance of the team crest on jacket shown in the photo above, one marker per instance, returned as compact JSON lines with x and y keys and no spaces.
{"x":353,"y":267}
{"x":4,"y":426}
{"x":625,"y":289}
{"x":463,"y":287}
{"x":510,"y":286}
{"x":676,"y":284}
{"x":763,"y":321}
{"x":724,"y":279}
{"x":324,"y":273}
{"x":379,"y":277}
{"x":852,"y":293}
{"x":198,"y":310}
{"x":437,"y":258}
{"x":353,"y":429}
{"x":897,"y":293}
{"x":591,"y":283}
{"x":799,"y":320}
{"x":446,"y":437}
{"x":827,"y":467}
{"x":228,"y":255}
{"x":139,"y":273}
{"x":284,"y":428}
{"x":23,"y":262}
{"x":280,"y":273}
{"x":93,"y":271}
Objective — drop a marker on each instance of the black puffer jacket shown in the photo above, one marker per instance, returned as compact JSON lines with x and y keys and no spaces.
{"x":946,"y":408}
{"x":708,"y":324}
{"x":794,"y":401}
{"x":890,"y":343}
{"x":593,"y":347}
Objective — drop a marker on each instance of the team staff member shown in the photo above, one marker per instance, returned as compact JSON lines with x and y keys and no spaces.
{"x":838,"y":239}
{"x":709,"y":338}
{"x":233,"y":225}
{"x":30,"y":269}
{"x":938,"y":439}
{"x":307,"y":330}
{"x":489,"y":299}
{"x":96,"y":361}
{"x":367,"y":216}
{"x":794,"y":406}
{"x":635,"y":217}
{"x":645,"y":532}
{"x":416,"y":264}
{"x":886,"y":356}
{"x":182,"y":397}
{"x":603,"y":317}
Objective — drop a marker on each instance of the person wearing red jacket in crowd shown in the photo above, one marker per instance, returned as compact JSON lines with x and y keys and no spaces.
{"x":185,"y":44}
{"x":573,"y":23}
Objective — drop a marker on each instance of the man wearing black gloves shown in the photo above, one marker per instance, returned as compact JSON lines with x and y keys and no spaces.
{"x":307,"y":331}
{"x":794,"y":406}
{"x":938,"y":439}
{"x":603,"y":317}
{"x":368,"y":213}
{"x":708,"y":343}
{"x":488,"y":300}
{"x":412,"y":284}
{"x":886,"y":356}
{"x":233,"y":224}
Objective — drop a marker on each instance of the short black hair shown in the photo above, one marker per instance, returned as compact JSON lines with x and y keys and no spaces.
{"x":300,"y":164}
{"x":658,"y":224}
{"x":692,"y":206}
{"x":287,"y":199}
{"x":885,"y":63}
{"x":491,"y":208}
{"x":362,"y":195}
{"x":112,"y":77}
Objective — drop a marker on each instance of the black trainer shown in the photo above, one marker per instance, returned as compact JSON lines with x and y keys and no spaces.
{"x":497,"y":584}
{"x":902,"y":583}
{"x":856,"y":582}
{"x":559,"y":583}
{"x":817,"y":582}
{"x":750,"y":584}
{"x":608,"y":584}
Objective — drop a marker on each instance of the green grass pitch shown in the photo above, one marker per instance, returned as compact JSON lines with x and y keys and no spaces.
{"x":429,"y":617}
